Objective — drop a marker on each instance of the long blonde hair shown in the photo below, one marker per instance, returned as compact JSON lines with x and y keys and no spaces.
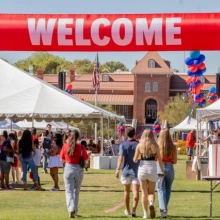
{"x":73,"y":137}
{"x":147,"y":142}
{"x":167,"y":148}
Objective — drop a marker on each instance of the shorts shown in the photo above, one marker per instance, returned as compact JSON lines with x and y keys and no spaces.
{"x":129,"y":180}
{"x":147,"y":170}
{"x":5,"y":167}
{"x":189,"y":151}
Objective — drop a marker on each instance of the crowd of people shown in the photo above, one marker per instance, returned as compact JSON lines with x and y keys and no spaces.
{"x":140,"y":168}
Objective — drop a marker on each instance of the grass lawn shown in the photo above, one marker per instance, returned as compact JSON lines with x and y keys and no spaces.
{"x":100,"y":193}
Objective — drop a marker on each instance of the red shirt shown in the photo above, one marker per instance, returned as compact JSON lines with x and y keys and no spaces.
{"x":75,"y":158}
{"x":190,"y":140}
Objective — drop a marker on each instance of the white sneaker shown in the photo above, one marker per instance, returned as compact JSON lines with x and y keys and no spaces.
{"x":145,"y":214}
{"x":126,"y":212}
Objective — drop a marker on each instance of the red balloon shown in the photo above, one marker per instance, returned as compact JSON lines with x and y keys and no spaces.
{"x":189,"y":79}
{"x":202,"y":66}
{"x":193,"y":68}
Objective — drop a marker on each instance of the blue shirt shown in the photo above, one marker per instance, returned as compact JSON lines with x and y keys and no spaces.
{"x":127,"y":149}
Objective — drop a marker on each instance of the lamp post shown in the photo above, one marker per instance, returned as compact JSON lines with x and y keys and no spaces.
{"x":30,"y":70}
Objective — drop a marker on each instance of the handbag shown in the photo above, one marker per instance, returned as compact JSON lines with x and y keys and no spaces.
{"x":81,"y":159}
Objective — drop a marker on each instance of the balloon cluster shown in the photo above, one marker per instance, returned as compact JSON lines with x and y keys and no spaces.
{"x":156,"y":127}
{"x":212,"y":96}
{"x":69,"y":89}
{"x":121,"y":128}
{"x":196,"y":68}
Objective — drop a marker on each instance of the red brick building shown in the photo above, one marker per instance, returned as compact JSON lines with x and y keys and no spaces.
{"x":138,"y":94}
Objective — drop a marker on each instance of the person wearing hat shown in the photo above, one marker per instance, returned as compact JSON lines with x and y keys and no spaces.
{"x":190,"y":143}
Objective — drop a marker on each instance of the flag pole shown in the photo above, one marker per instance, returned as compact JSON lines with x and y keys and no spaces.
{"x":95,"y":122}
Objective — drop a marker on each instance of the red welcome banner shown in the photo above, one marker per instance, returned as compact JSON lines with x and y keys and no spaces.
{"x":109,"y":32}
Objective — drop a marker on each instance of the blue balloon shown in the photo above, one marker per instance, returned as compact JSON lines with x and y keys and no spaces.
{"x":212,"y":89}
{"x":199,"y":73}
{"x":190,"y":73}
{"x":189,"y":61}
{"x":197,"y":62}
{"x":156,"y":122}
{"x":194,"y":54}
{"x":202,"y":58}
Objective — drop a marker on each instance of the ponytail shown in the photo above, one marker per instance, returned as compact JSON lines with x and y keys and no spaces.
{"x":73,"y":136}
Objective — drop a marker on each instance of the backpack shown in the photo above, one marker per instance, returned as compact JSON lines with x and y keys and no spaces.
{"x":47,"y":143}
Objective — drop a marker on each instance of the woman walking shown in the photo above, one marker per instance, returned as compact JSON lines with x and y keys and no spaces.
{"x":148,"y":151}
{"x":54,"y":161}
{"x":25,"y":148}
{"x":169,"y":157}
{"x":72,"y":153}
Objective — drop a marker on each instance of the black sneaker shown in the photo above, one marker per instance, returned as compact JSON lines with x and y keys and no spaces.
{"x":133,"y":214}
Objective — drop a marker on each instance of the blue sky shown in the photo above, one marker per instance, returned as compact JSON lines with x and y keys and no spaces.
{"x":115,"y":6}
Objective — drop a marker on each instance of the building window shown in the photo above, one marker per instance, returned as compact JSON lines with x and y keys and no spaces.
{"x":125,"y":110}
{"x":151,"y":64}
{"x":117,"y":109}
{"x":155,"y":87}
{"x":147,"y":87}
{"x":105,"y":78}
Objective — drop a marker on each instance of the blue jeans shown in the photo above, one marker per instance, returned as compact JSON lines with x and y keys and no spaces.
{"x":165,"y":190}
{"x":45,"y":160}
{"x":73,"y":177}
{"x":25,"y":163}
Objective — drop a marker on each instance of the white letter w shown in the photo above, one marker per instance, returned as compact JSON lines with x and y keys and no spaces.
{"x":41,"y":29}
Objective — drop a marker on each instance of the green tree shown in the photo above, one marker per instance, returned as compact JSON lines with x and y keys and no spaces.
{"x":83,"y":66}
{"x":49,"y":62}
{"x":112,"y":66}
{"x":177,"y":110}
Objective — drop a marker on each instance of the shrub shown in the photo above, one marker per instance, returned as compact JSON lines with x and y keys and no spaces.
{"x":181,"y":147}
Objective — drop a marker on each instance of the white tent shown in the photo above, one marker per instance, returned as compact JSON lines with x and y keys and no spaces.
{"x":211,"y":111}
{"x":24,"y":96}
{"x":8,"y":124}
{"x":187,"y":125}
{"x":42,"y":125}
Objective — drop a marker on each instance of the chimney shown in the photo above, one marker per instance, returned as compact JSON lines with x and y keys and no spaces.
{"x":40,"y":73}
{"x":72,"y":73}
{"x":136,"y":63}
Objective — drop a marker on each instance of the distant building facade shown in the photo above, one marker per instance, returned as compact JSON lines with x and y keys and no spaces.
{"x":139,"y":94}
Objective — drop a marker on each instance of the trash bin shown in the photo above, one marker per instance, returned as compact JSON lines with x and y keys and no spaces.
{"x":184,"y":135}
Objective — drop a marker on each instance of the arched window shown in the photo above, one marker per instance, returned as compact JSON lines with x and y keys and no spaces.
{"x":151,"y":64}
{"x":147,"y":87}
{"x":155,"y":87}
{"x":105,"y":78}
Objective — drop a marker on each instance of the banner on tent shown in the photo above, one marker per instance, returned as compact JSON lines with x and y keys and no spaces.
{"x":214,"y":124}
{"x":110,"y":32}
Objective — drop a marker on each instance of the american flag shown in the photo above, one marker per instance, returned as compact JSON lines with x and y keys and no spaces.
{"x":95,"y":79}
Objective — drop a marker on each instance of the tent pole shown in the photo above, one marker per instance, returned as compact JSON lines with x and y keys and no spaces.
{"x":11,"y":124}
{"x":115,"y":130}
{"x":108,"y":128}
{"x":101,"y":129}
{"x":96,"y":133}
{"x":32,"y":121}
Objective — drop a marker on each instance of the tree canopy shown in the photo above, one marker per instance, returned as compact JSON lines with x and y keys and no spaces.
{"x":177,"y":110}
{"x":52,"y":64}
